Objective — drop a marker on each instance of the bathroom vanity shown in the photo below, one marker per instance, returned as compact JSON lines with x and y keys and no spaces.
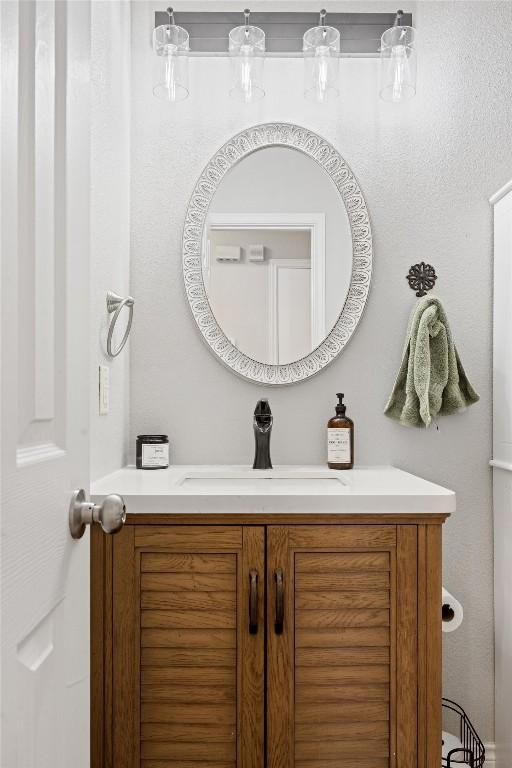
{"x":283,"y":618}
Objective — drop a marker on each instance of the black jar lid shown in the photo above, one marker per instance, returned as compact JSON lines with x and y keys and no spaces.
{"x":153,"y":438}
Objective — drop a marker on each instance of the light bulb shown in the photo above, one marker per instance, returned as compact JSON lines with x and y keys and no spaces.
{"x":398,"y":64}
{"x":322,"y":76}
{"x":170,"y":72}
{"x":246,"y":52}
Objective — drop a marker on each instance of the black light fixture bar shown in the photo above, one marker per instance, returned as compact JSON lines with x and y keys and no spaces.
{"x":360,"y":32}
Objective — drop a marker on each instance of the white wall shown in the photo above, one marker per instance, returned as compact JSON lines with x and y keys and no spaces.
{"x":426,"y":169}
{"x":110,"y":220}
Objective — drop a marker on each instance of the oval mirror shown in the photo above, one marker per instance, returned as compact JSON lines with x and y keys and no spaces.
{"x":277,"y":253}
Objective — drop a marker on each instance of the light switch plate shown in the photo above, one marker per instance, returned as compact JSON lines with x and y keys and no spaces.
{"x":104,"y":389}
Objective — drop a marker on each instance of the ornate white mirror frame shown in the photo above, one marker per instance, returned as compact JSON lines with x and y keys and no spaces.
{"x":241,"y":145}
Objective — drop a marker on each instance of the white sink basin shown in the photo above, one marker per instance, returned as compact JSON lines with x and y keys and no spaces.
{"x":269,"y":481}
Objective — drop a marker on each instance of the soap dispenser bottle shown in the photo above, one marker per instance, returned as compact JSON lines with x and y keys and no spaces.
{"x":340,"y":438}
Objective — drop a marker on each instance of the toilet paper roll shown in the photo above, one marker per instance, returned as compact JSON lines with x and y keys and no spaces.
{"x":451,"y":612}
{"x":452,"y":742}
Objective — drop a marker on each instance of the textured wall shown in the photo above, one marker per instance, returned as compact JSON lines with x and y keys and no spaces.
{"x":426,"y":169}
{"x":110,"y":221}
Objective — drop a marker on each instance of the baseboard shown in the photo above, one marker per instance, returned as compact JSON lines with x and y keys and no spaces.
{"x":490,"y":755}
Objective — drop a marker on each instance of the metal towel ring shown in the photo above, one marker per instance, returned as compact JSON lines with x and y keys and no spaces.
{"x":115,"y":305}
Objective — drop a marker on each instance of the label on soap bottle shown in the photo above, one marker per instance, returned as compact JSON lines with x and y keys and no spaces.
{"x":338,"y":445}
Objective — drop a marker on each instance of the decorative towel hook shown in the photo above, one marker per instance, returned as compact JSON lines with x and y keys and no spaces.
{"x":115,"y":305}
{"x":421,"y":278}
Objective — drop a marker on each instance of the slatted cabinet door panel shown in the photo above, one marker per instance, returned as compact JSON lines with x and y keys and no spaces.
{"x":188,"y":674}
{"x":335,"y":669}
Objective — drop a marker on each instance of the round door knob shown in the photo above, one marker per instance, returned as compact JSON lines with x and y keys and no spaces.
{"x":110,"y":514}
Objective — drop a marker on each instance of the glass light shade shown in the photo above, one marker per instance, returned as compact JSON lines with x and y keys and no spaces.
{"x":247,"y":54}
{"x":321,"y":48}
{"x":398,"y":64}
{"x":171,"y":45}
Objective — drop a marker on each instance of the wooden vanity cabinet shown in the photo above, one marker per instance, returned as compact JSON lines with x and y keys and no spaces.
{"x":280,"y":645}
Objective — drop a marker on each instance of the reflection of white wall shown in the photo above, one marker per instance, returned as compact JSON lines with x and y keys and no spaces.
{"x":239,"y":292}
{"x":284,"y":180}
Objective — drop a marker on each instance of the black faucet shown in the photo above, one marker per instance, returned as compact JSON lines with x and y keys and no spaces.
{"x":262,"y":424}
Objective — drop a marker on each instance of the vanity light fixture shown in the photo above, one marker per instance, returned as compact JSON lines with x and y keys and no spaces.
{"x":321,"y":48}
{"x":398,"y":62}
{"x":247,"y":54}
{"x":171,"y":45}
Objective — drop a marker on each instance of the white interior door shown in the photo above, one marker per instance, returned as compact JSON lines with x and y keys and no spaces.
{"x":290,"y":316}
{"x":294,"y":314}
{"x":45,"y":60}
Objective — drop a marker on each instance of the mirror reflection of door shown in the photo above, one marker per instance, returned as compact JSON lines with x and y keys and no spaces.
{"x":290,"y":331}
{"x":277,"y":255}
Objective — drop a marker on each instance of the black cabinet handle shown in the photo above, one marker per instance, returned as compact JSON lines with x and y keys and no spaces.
{"x":253,"y":602}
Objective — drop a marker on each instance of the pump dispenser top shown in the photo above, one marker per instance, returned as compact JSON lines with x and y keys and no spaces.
{"x":341,"y":408}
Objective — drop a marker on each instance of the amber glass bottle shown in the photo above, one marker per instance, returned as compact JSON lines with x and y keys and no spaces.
{"x":340,"y":438}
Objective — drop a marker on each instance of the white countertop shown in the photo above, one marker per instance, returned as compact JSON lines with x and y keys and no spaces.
{"x":297,"y":489}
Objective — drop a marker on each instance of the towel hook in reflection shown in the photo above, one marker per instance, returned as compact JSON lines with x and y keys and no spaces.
{"x":115,"y":305}
{"x":421,"y":278}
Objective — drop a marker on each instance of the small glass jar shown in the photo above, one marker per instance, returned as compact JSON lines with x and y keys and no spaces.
{"x":152,"y":452}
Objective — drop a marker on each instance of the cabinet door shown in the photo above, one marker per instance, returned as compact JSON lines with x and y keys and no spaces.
{"x":342,"y":667}
{"x":188,"y":670}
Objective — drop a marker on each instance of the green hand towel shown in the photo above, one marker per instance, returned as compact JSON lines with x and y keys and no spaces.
{"x":431,"y":379}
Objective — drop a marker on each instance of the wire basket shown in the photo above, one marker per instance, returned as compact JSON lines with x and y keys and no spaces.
{"x":471,"y":751}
